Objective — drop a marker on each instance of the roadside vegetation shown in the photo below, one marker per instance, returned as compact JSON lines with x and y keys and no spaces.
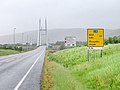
{"x":9,"y":49}
{"x":47,"y":81}
{"x":19,"y":47}
{"x":4,"y":52}
{"x":71,"y":71}
{"x":112,"y":40}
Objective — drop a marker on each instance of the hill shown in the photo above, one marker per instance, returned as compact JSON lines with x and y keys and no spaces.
{"x":54,"y":35}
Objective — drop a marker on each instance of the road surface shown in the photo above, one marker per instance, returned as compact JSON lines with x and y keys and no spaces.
{"x":22,"y":71}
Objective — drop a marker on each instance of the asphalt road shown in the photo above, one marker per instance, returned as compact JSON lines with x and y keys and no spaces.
{"x":22,"y":71}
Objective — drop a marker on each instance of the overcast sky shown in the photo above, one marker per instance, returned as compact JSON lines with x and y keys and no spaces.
{"x":24,"y":14}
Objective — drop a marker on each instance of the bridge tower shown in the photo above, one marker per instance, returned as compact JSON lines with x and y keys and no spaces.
{"x":42,"y":32}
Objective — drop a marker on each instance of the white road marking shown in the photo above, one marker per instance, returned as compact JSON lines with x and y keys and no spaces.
{"x":21,"y":81}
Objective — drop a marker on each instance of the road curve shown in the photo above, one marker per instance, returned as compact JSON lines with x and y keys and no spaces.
{"x":22,"y":71}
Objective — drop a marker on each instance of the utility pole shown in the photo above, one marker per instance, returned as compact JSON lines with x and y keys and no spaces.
{"x":46,"y":32}
{"x":22,"y":38}
{"x":14,"y":35}
{"x":30,"y":40}
{"x":27,"y":43}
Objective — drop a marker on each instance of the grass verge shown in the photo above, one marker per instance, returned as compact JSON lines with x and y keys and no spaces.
{"x":47,"y":81}
{"x":4,"y":52}
{"x":57,"y":77}
{"x":63,"y":80}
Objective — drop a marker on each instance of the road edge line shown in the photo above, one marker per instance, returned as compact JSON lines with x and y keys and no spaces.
{"x":24,"y":77}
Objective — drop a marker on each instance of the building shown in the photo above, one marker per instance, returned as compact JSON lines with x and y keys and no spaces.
{"x":70,"y":41}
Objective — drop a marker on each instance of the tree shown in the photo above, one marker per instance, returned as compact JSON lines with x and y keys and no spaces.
{"x":106,"y":42}
{"x":110,"y":40}
{"x":116,"y":39}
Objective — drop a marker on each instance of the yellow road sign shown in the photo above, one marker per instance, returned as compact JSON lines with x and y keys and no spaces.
{"x":95,"y":37}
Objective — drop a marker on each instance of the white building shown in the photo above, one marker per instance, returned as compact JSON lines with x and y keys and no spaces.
{"x":70,"y":41}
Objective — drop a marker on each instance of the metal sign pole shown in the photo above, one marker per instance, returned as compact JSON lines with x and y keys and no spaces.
{"x":102,"y":53}
{"x":94,"y":55}
{"x":89,"y":55}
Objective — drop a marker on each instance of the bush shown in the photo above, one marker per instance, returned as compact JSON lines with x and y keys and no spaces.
{"x":62,"y":47}
{"x":112,"y":40}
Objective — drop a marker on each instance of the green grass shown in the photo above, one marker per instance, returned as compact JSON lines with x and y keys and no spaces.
{"x":70,"y":57}
{"x":103,"y":74}
{"x":63,"y":80}
{"x":4,"y":52}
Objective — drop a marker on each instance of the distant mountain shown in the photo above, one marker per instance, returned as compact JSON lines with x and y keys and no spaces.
{"x":54,"y":35}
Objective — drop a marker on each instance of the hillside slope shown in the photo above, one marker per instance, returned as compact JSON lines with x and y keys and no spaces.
{"x":55,"y":35}
{"x":102,"y":74}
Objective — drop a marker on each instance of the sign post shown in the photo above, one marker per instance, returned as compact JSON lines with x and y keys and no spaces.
{"x":94,"y":55}
{"x":89,"y":55}
{"x":102,"y":53}
{"x":95,"y":41}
